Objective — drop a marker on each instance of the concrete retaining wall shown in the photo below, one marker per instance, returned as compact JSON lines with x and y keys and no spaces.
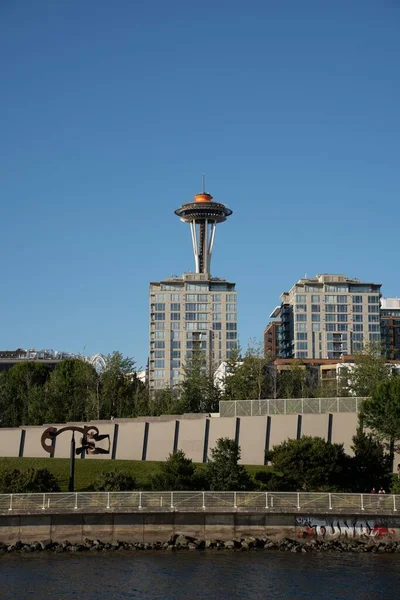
{"x":153,"y":438}
{"x":154,"y":527}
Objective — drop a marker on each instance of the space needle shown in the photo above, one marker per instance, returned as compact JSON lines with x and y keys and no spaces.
{"x":203,"y":215}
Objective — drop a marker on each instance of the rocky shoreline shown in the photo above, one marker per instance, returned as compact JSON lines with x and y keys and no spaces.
{"x":182,"y":542}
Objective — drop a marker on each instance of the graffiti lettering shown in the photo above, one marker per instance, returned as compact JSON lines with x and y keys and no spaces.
{"x":336,"y":528}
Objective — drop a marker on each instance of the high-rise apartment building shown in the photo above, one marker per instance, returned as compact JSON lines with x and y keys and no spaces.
{"x":328,"y":316}
{"x":196,"y":311}
{"x":390,"y":327}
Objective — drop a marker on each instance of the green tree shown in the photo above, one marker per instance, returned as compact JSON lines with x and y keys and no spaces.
{"x":198,"y":391}
{"x":381,"y":413}
{"x":120,"y":387}
{"x":249,"y":377}
{"x":371,"y":465}
{"x":177,"y":473}
{"x":370,"y":368}
{"x":223,"y":471}
{"x":114,"y":481}
{"x":22,"y":394}
{"x":309,"y":464}
{"x":293,"y":382}
{"x":72,"y":392}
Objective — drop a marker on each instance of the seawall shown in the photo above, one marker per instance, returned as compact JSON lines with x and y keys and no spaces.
{"x":151,"y":527}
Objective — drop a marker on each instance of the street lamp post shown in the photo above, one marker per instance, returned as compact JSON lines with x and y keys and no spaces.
{"x":72,"y":464}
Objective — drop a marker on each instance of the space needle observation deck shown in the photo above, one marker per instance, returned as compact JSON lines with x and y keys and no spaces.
{"x":203,"y":215}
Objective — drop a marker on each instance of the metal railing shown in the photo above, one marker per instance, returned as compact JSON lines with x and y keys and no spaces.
{"x":288,"y":406}
{"x":309,"y":502}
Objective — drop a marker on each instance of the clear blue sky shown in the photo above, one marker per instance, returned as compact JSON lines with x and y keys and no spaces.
{"x":110,"y":113}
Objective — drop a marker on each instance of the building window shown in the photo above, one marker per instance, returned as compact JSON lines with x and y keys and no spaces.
{"x":231,"y":345}
{"x":175,"y":354}
{"x":159,"y":306}
{"x":159,"y":316}
{"x":301,"y":354}
{"x":342,"y":327}
{"x":357,"y":318}
{"x":231,"y":316}
{"x":373,"y":308}
{"x":218,"y":326}
{"x":175,"y":316}
{"x":230,"y":307}
{"x":342,"y":299}
{"x":357,"y":337}
{"x":330,"y":317}
{"x":175,"y":298}
{"x":301,"y":336}
{"x":330,"y":299}
{"x":216,"y":297}
{"x":159,"y":326}
{"x":315,"y":298}
{"x":357,"y":299}
{"x":231,"y":326}
{"x":175,"y":307}
{"x":159,"y":354}
{"x":159,"y":344}
{"x":175,"y":345}
{"x":301,"y":317}
{"x":373,"y":327}
{"x":231,"y":335}
{"x":159,"y":373}
{"x":374,"y":337}
{"x":175,"y":325}
{"x":159,"y":297}
{"x":159,"y":335}
{"x":301,"y":298}
{"x":190,"y":316}
{"x":315,"y":318}
{"x":331,"y":326}
{"x":301,"y":307}
{"x":357,"y":308}
{"x":315,"y":308}
{"x":342,"y":308}
{"x":301,"y":345}
{"x":373,"y":299}
{"x":330,"y":308}
{"x":342,"y":318}
{"x":358,"y":327}
{"x":202,"y":316}
{"x":373,"y":318}
{"x":196,"y":287}
{"x":231,"y":297}
{"x":301,"y":326}
{"x":316,"y":327}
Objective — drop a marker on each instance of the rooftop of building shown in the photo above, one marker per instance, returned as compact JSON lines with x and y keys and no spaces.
{"x":191,"y":277}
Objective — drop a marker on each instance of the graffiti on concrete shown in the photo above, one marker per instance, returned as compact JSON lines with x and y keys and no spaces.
{"x":335,"y":527}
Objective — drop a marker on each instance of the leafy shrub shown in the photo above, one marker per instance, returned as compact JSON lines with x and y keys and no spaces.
{"x":14,"y":481}
{"x":224,"y":473}
{"x":178,"y":473}
{"x":114,"y":481}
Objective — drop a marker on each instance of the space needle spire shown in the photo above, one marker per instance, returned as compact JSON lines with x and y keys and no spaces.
{"x":203,"y":215}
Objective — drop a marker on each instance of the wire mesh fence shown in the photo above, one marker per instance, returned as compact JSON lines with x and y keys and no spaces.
{"x":192,"y":501}
{"x":288,"y":406}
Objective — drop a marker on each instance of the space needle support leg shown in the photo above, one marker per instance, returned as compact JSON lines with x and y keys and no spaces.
{"x":195,"y":247}
{"x":211,"y":241}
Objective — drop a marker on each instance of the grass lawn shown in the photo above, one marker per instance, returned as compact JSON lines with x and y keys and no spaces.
{"x":87,"y":470}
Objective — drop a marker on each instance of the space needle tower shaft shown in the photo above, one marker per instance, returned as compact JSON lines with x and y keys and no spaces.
{"x":203,"y":215}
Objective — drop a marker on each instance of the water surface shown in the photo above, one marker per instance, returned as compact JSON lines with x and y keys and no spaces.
{"x":206,"y":575}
